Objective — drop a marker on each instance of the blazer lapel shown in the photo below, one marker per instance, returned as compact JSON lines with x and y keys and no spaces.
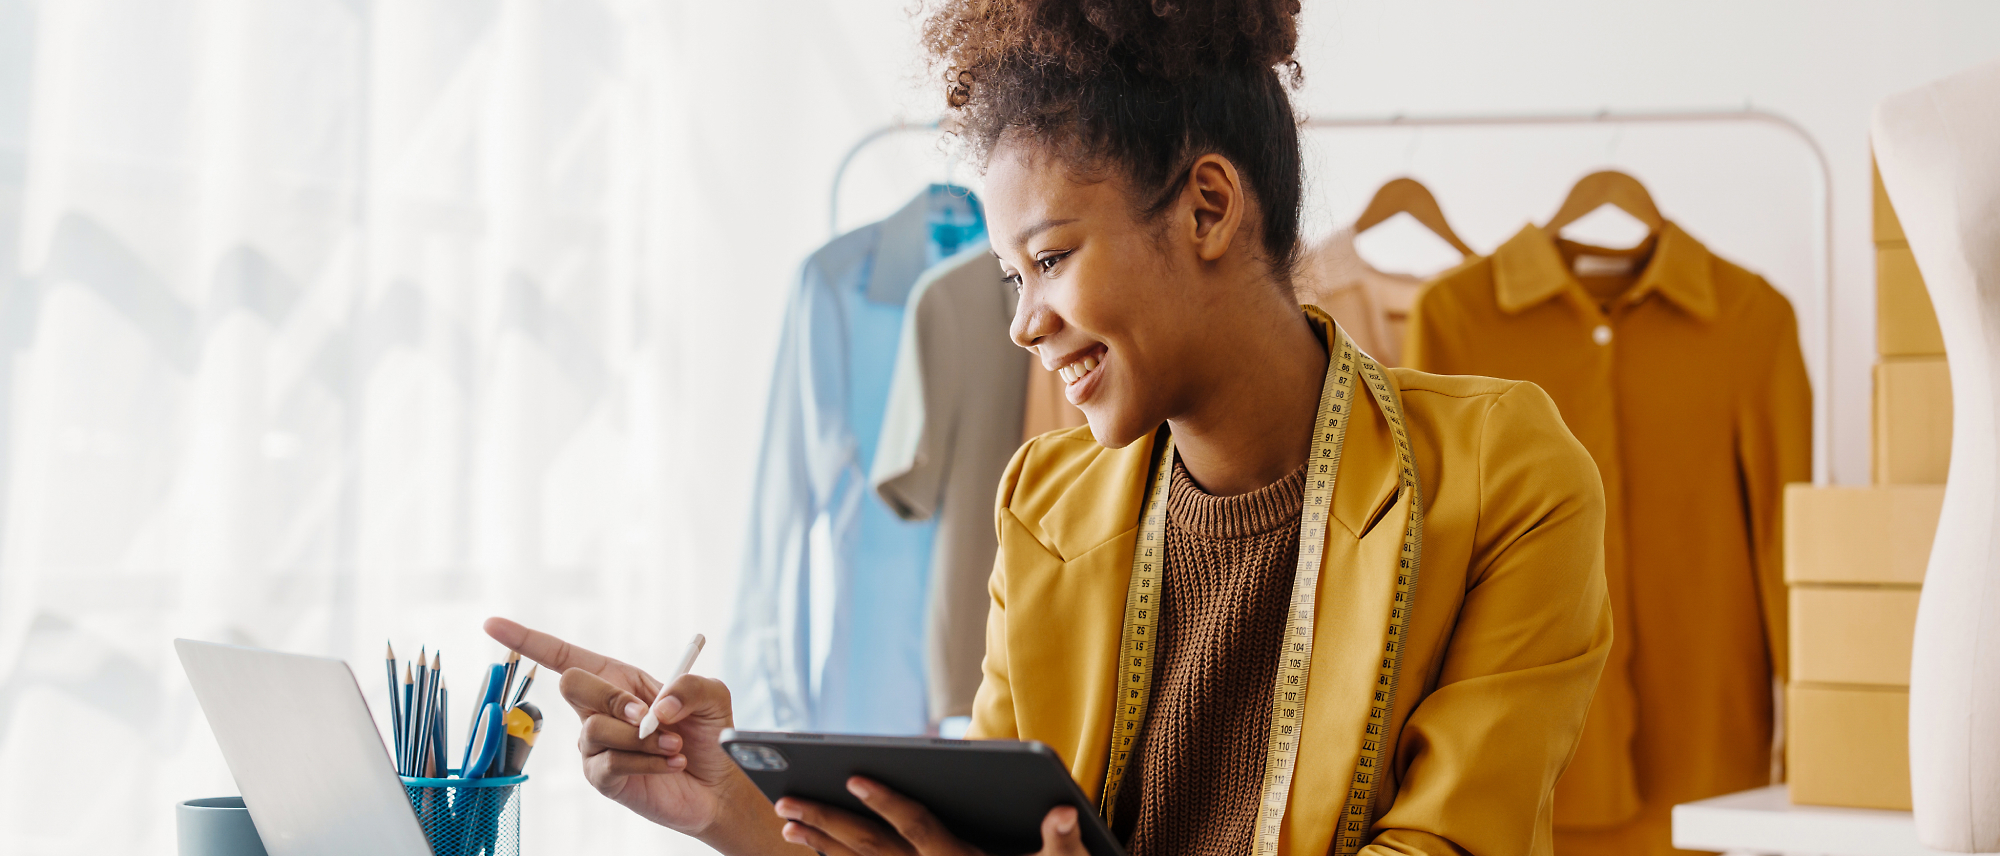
{"x":1091,"y":528}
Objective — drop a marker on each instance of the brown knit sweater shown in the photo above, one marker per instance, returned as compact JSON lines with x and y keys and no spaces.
{"x":1194,"y":787}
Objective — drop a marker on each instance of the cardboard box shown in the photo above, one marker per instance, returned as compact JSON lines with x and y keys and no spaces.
{"x":1887,"y":227}
{"x":1912,"y":443}
{"x":1905,"y":323}
{"x":1853,"y":634}
{"x":1848,"y":746}
{"x":1860,"y":535}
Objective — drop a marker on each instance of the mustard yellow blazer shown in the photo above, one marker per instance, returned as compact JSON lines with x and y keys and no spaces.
{"x":1510,"y":628}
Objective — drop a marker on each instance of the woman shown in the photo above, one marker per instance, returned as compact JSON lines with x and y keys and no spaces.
{"x":1143,"y":192}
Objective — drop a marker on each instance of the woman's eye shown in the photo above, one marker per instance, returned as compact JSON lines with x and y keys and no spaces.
{"x":1048,"y":263}
{"x":1013,"y":279}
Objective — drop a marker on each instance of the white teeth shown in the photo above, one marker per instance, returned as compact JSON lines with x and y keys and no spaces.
{"x":1078,"y":370}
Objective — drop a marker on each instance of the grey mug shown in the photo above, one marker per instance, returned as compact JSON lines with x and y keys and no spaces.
{"x":217,"y":826}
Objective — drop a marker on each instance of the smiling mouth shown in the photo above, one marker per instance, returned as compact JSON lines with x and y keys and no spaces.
{"x":1076,"y":371}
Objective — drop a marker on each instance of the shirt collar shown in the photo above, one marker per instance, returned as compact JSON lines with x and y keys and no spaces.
{"x":899,"y":251}
{"x":1529,"y":269}
{"x":934,"y":224}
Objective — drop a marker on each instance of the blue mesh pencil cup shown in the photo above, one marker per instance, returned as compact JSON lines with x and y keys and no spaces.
{"x":469,"y":817}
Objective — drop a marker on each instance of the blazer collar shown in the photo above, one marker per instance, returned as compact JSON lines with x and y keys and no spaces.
{"x":1529,"y":270}
{"x":1104,"y":498}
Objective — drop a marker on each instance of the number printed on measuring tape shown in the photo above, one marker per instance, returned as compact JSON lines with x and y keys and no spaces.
{"x":1288,"y":691}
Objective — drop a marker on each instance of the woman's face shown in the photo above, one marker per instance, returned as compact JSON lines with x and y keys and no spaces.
{"x":1108,"y":300}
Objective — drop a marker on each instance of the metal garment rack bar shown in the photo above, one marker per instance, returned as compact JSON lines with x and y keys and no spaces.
{"x":1822,"y":400}
{"x":847,"y":160}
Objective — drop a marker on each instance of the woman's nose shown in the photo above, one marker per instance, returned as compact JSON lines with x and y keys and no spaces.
{"x":1033,"y":320}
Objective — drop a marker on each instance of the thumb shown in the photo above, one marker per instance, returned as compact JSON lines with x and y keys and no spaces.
{"x":1060,"y":833}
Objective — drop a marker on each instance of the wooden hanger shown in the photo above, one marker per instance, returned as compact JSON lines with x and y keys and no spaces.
{"x":1407,"y":196}
{"x":1608,"y":187}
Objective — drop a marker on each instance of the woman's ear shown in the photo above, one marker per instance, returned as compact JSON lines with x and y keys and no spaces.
{"x":1215,"y":197}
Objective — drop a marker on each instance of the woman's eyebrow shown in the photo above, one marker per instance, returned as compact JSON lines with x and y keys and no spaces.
{"x":1036,"y":228}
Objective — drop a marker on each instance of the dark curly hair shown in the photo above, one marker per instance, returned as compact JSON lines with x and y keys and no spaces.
{"x":1144,"y":86}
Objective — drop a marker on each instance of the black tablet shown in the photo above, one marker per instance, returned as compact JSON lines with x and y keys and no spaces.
{"x":992,"y":794}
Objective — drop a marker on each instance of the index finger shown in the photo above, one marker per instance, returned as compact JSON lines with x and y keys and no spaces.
{"x":589,"y":694}
{"x":551,"y":652}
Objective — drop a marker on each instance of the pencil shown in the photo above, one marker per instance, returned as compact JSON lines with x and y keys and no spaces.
{"x":507,"y":682}
{"x":410,"y":720}
{"x":438,"y":762}
{"x":403,"y":727}
{"x":423,"y":713}
{"x":424,"y":729}
{"x":652,"y":722}
{"x":437,"y":702}
{"x":521,"y":694}
{"x":395,"y":706}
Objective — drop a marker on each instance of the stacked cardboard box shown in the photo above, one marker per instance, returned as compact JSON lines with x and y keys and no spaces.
{"x":1855,"y":558}
{"x":1912,"y":404}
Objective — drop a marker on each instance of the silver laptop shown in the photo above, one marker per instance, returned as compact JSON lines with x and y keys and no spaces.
{"x":298,"y":738}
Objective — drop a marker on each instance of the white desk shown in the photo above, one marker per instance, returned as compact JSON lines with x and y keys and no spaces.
{"x":1764,"y":821}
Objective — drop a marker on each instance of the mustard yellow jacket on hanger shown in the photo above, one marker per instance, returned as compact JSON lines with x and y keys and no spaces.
{"x":1509,"y":631}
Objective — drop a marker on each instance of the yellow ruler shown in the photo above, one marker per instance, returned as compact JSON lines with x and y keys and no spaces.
{"x":1288,"y":691}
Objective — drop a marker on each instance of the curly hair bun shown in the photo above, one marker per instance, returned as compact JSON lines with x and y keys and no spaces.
{"x":1160,"y":39}
{"x":1143,"y":85}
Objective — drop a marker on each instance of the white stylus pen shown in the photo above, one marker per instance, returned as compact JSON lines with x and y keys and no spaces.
{"x":652,"y":721}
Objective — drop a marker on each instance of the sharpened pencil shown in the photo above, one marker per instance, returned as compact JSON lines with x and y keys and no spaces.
{"x":423,"y":711}
{"x":507,"y":682}
{"x":521,"y":694}
{"x":395,"y":705}
{"x":403,"y":729}
{"x":424,"y":723}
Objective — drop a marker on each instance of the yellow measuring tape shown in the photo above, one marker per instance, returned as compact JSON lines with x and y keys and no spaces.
{"x":1288,"y":691}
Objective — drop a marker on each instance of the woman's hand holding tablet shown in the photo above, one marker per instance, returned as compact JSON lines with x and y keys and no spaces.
{"x":911,"y":829}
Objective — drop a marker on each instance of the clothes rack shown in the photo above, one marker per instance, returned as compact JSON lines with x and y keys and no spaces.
{"x":1822,"y":400}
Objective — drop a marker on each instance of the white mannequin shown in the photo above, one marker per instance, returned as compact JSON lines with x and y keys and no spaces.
{"x":1939,"y":151}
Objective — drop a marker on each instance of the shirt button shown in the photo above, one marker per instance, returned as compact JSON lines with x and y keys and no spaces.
{"x":1601,"y":335}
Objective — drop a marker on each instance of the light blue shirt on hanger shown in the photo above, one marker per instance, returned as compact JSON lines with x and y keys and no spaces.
{"x":828,"y":633}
